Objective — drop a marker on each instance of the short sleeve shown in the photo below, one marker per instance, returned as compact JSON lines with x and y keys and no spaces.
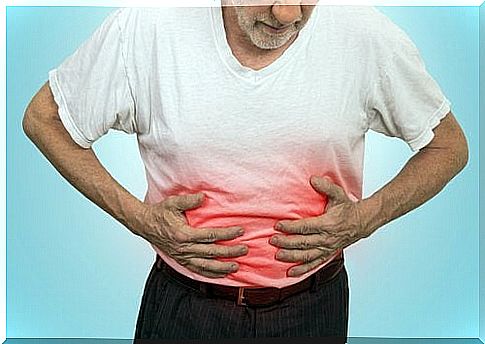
{"x":404,"y":100}
{"x":91,"y":87}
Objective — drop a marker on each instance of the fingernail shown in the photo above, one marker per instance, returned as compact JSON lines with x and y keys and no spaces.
{"x":279,"y":226}
{"x":234,"y":266}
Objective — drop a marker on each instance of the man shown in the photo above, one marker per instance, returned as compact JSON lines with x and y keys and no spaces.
{"x":251,"y":124}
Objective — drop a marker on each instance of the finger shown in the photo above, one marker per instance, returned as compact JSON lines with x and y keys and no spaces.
{"x":299,"y":256}
{"x":333,"y":242}
{"x":334,"y":192}
{"x":185,"y":202}
{"x":338,"y":240}
{"x":210,"y":235}
{"x":299,"y":270}
{"x":212,"y":266}
{"x":310,"y":225}
{"x":209,"y":274}
{"x":213,"y":250}
{"x":297,"y":241}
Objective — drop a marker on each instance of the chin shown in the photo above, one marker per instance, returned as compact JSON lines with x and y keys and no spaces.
{"x":268,"y":44}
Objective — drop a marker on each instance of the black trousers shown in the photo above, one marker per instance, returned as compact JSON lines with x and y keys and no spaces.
{"x":172,"y":310}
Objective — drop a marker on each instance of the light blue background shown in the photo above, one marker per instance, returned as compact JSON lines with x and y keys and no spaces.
{"x":72,"y":271}
{"x":482,"y":166}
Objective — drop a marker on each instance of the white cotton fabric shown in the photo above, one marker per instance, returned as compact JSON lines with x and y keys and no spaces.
{"x":250,"y":140}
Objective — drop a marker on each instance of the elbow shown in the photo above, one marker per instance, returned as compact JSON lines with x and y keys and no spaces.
{"x":28,"y":125}
{"x":465,"y":155}
{"x":40,"y":112}
{"x":33,"y":123}
{"x":451,"y":145}
{"x":461,"y":153}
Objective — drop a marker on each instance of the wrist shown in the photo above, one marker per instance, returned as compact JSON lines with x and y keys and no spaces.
{"x":372,"y":214}
{"x":132,"y":214}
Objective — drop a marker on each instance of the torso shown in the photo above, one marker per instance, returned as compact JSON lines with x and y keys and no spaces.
{"x":248,"y":133}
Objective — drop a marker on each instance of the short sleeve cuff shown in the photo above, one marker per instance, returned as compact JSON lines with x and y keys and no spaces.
{"x":64,"y":114}
{"x":427,"y":134}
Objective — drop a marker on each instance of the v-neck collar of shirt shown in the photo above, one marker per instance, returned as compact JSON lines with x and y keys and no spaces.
{"x":247,"y":73}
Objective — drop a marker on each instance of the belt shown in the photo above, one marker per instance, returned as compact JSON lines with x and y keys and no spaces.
{"x":255,"y":296}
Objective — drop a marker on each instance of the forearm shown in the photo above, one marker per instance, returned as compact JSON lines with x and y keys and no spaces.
{"x":423,"y":176}
{"x":80,"y":167}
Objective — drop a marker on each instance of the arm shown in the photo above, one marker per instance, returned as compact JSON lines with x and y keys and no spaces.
{"x":162,"y":224}
{"x":423,"y":176}
{"x":79,"y":166}
{"x":345,"y":222}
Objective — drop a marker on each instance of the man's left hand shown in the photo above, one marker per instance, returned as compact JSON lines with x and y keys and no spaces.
{"x":314,"y":239}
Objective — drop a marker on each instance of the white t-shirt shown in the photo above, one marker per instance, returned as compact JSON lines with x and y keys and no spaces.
{"x":250,"y":140}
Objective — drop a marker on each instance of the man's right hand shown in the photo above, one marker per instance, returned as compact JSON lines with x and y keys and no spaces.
{"x":164,"y":225}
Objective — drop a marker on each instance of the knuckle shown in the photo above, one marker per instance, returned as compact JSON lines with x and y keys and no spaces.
{"x":181,"y":236}
{"x":180,"y":249}
{"x":211,"y":235}
{"x":307,"y":227}
{"x":321,"y":240}
{"x":307,"y":258}
{"x":203,"y":266}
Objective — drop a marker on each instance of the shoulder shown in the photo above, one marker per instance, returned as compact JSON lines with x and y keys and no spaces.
{"x":372,"y":33}
{"x":131,"y":18}
{"x":367,"y":22}
{"x":146,"y":26}
{"x":169,"y":18}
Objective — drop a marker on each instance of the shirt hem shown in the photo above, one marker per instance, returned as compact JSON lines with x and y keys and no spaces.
{"x":64,"y":114}
{"x":427,"y":134}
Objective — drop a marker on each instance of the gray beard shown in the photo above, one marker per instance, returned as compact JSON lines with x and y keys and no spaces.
{"x":252,"y":27}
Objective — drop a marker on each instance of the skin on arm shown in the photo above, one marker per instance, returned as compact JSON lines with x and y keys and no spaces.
{"x":424,"y":175}
{"x":311,"y":241}
{"x":162,"y":224}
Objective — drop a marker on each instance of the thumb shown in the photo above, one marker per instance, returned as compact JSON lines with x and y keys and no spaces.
{"x":185,"y":202}
{"x":334,"y":192}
